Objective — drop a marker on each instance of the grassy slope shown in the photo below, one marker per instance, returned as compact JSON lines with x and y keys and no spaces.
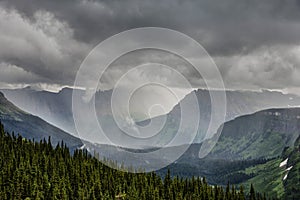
{"x":267,"y":178}
{"x":271,"y":143}
{"x":292,"y":184}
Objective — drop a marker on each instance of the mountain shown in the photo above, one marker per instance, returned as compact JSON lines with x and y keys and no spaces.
{"x":250,"y":149}
{"x":238,"y":103}
{"x":247,"y":141}
{"x":262,"y":148}
{"x":291,"y":179}
{"x":260,"y":135}
{"x":279,"y":177}
{"x":32,"y":127}
{"x":56,"y":108}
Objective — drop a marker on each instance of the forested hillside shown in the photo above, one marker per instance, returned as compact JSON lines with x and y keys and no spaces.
{"x":39,"y":171}
{"x":292,"y":182}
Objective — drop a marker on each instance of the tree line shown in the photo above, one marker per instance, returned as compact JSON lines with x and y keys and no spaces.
{"x":38,"y":170}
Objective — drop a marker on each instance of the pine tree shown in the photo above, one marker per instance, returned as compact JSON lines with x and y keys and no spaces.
{"x":241,"y":193}
{"x":252,"y":193}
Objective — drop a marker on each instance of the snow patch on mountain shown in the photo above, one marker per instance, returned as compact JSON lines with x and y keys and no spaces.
{"x":283,"y":163}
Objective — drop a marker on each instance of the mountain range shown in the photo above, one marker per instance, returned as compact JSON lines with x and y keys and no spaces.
{"x":261,"y":147}
{"x":56,"y":108}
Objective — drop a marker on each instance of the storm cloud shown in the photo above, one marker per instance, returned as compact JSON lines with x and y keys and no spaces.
{"x":255,"y":44}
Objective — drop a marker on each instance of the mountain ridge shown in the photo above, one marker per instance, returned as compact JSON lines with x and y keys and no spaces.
{"x":56,"y":108}
{"x":32,"y":127}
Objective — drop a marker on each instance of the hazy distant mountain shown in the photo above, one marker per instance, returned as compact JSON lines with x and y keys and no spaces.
{"x":238,"y":103}
{"x":32,"y":127}
{"x":56,"y":108}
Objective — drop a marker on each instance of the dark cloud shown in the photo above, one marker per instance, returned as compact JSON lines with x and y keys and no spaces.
{"x":43,"y":46}
{"x":222,"y":27}
{"x":258,"y":39}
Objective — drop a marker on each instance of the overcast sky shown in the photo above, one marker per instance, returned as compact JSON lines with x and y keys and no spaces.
{"x":255,"y":44}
